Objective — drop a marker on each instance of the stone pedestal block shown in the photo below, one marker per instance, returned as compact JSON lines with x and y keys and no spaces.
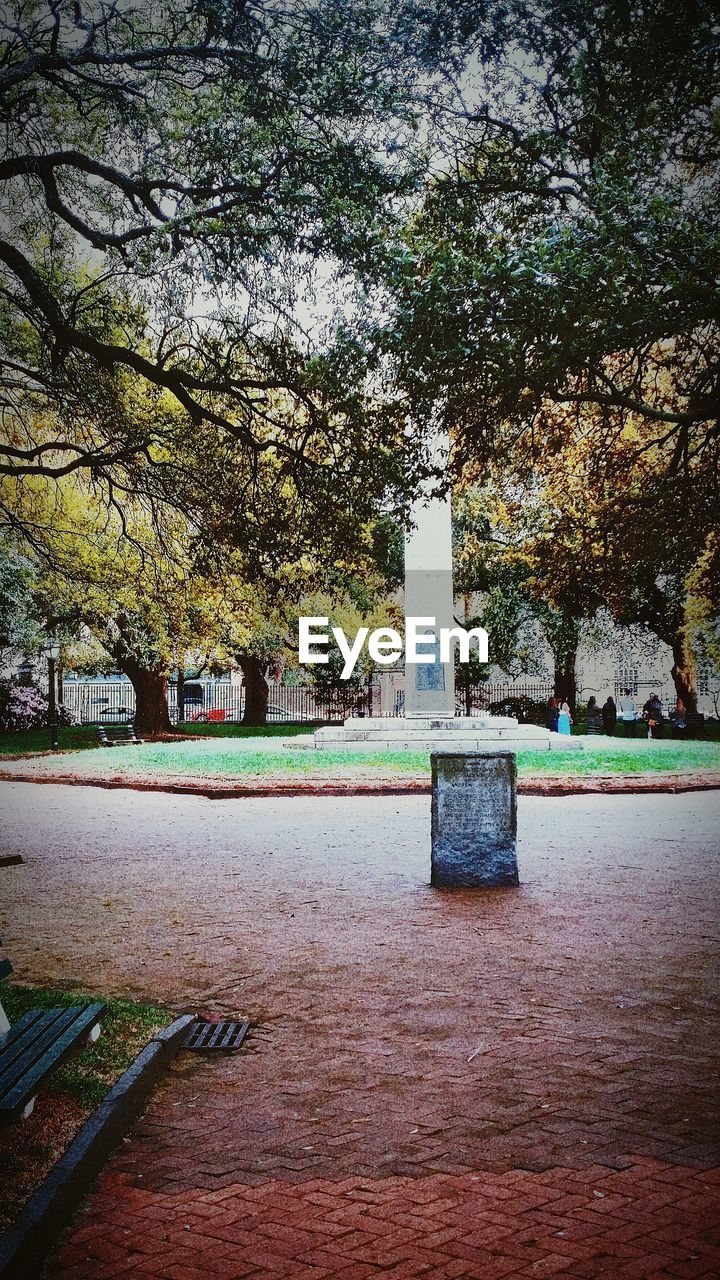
{"x":474,"y":820}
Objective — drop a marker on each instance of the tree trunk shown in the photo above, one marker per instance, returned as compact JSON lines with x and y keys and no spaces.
{"x":562,"y":630}
{"x":151,"y":697}
{"x":565,"y":678}
{"x":565,"y":647}
{"x":256,"y":690}
{"x":181,"y":695}
{"x":683,"y":673}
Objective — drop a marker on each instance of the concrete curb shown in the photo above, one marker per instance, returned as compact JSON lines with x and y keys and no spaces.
{"x":612,"y":784}
{"x":24,"y":1246}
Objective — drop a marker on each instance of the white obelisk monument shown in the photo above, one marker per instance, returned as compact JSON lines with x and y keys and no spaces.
{"x":430,"y":689}
{"x":429,"y":720}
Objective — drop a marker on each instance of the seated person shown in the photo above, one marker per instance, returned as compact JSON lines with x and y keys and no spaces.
{"x":679,"y":719}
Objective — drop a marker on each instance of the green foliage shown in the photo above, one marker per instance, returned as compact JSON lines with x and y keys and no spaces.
{"x":178,"y":182}
{"x":388,"y":550}
{"x":343,"y":695}
{"x":19,"y":629}
{"x":703,"y":608}
{"x":577,"y":218}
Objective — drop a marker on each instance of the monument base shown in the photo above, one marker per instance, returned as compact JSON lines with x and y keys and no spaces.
{"x":429,"y":733}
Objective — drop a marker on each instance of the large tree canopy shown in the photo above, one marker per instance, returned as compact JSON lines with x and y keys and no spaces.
{"x":171,"y":176}
{"x":569,"y":250}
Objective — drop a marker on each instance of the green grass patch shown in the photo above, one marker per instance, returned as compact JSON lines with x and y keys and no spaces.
{"x":226,"y":759}
{"x":29,"y":1148}
{"x":84,"y":737}
{"x":225,"y":730}
{"x":619,"y":757}
{"x":31,"y":741}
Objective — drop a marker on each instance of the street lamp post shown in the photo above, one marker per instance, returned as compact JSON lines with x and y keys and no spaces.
{"x":53,"y":653}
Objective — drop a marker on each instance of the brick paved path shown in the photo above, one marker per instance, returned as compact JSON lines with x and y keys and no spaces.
{"x":440,"y":1084}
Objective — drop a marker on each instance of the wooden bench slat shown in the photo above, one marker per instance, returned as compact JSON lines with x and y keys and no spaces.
{"x":10,"y":1035}
{"x":110,"y":735}
{"x":27,"y":1038}
{"x":22,"y":1036}
{"x":47,"y":1052}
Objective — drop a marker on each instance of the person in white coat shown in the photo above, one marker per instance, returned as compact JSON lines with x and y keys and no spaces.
{"x":627,"y":712}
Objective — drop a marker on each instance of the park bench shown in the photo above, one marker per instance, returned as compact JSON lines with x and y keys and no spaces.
{"x":113,"y":735}
{"x":34,"y":1046}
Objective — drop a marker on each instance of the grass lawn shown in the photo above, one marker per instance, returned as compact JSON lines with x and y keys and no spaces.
{"x":224,"y":730}
{"x":81,"y":737}
{"x":29,"y":1148}
{"x":621,"y":756}
{"x":227,"y":758}
{"x":34,"y":740}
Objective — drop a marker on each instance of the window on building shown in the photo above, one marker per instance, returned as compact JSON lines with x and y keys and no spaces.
{"x":627,"y":678}
{"x":703,"y":681}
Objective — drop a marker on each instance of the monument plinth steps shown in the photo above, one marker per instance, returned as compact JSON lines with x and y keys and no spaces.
{"x":460,"y":733}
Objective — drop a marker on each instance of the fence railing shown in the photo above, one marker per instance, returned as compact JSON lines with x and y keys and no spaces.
{"x":113,"y":702}
{"x":95,"y":703}
{"x":473,"y":699}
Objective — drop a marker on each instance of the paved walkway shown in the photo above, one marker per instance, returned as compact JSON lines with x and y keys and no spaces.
{"x":441,"y":1085}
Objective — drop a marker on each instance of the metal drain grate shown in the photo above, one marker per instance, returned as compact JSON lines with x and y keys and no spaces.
{"x":223,"y":1037}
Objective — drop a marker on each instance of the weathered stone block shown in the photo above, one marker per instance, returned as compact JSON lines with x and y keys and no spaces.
{"x":474,"y":820}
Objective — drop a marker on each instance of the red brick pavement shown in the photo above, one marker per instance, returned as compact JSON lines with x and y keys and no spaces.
{"x":438,"y":1084}
{"x":650,"y":1219}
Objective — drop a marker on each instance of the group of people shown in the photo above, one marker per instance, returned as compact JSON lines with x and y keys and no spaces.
{"x":604,"y":719}
{"x":559,"y":717}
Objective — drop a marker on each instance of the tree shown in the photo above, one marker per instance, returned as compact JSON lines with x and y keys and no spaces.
{"x":172,"y":179}
{"x":568,"y":254}
{"x":702,"y":611}
{"x":497,"y":533}
{"x":153,"y":588}
{"x":610,"y":527}
{"x":19,"y":629}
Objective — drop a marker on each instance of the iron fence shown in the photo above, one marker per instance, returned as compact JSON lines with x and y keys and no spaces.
{"x":520,"y":700}
{"x":113,"y":702}
{"x":219,"y":702}
{"x":95,"y":703}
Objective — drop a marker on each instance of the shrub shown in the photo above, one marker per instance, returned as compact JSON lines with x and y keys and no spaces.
{"x":26,"y":707}
{"x":526,"y":710}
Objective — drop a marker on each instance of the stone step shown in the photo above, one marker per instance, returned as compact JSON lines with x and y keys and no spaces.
{"x":446,"y":743}
{"x":422,"y":724}
{"x":344,"y":734}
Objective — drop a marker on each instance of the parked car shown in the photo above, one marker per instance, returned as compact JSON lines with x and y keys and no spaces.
{"x":109,"y":714}
{"x":274,"y":712}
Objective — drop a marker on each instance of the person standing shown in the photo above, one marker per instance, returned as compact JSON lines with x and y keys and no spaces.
{"x":593,"y":719}
{"x":653,"y":716}
{"x":628,"y":713}
{"x":564,"y":718}
{"x":609,"y":716}
{"x":552,"y":715}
